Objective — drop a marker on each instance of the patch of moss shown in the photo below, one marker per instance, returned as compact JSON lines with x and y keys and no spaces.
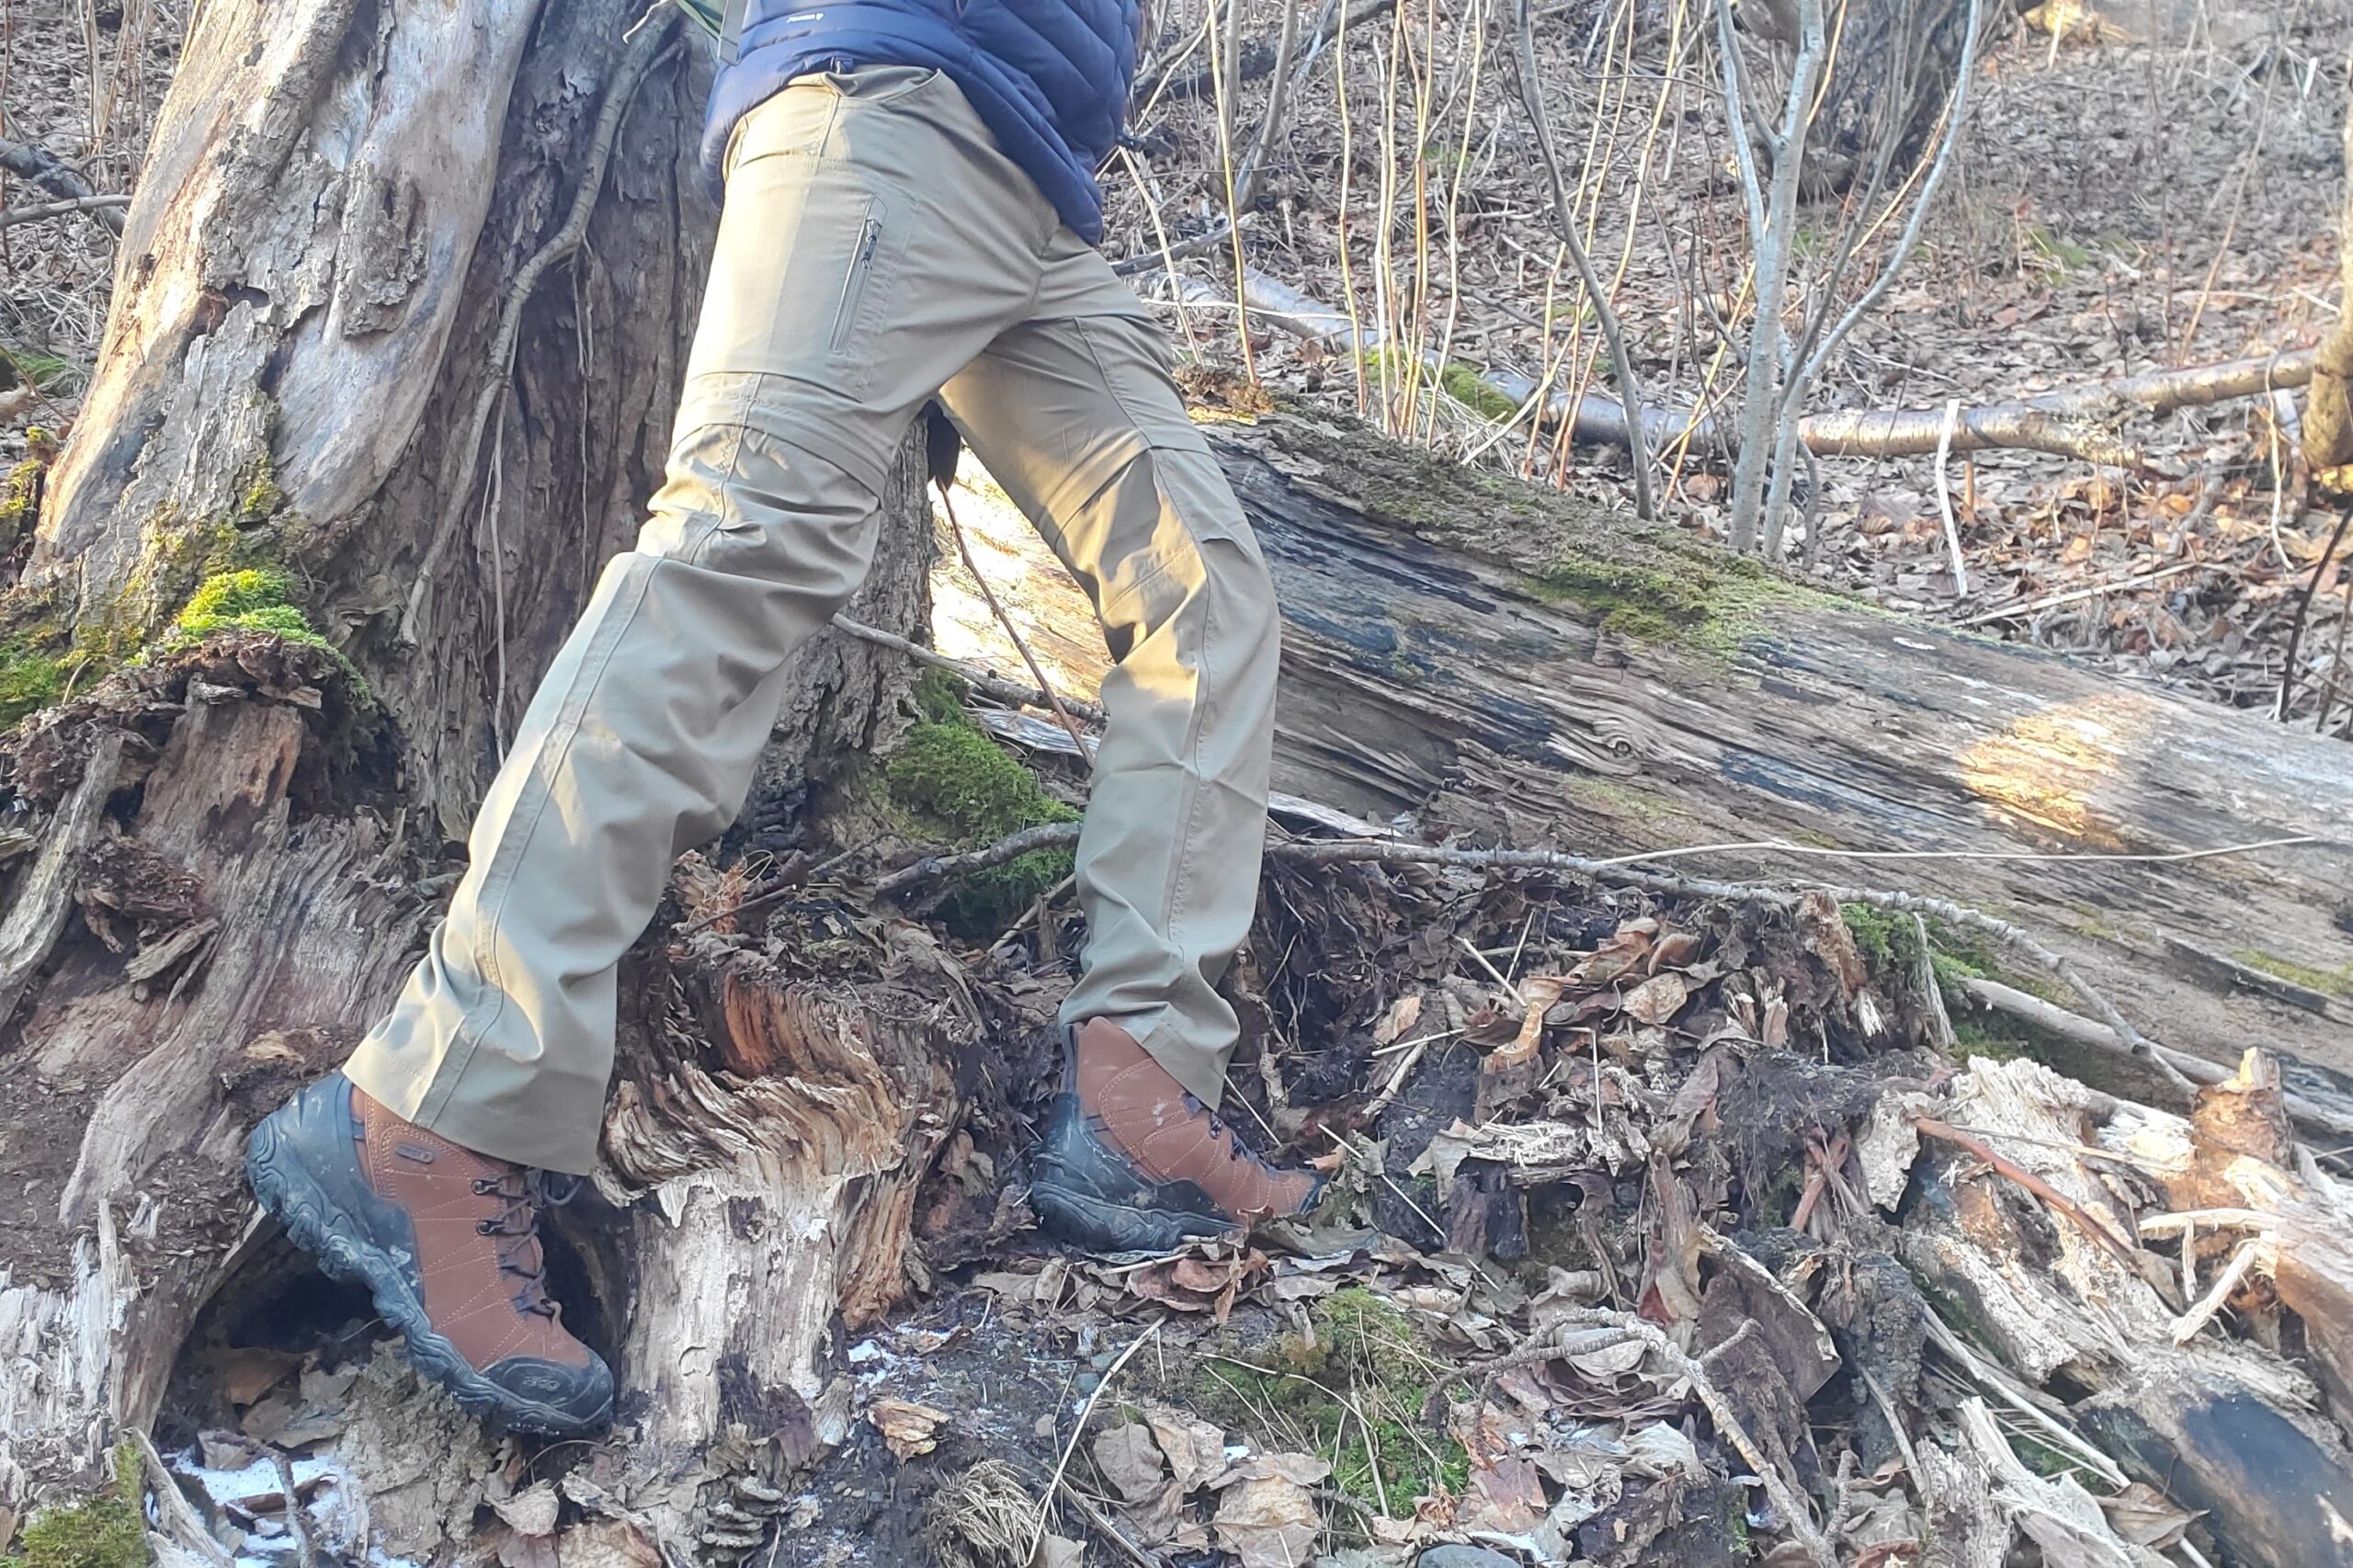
{"x":29,"y":679}
{"x":254,"y":598}
{"x":1352,"y":1390}
{"x":105,"y":1530}
{"x":2327,"y":982}
{"x":957,"y":783}
{"x":1457,"y":379}
{"x":1695,"y":597}
{"x":20,"y":502}
{"x":263,"y":499}
{"x":1648,"y":580}
{"x":1890,"y":942}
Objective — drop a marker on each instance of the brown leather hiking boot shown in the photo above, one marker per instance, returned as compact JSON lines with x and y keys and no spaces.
{"x":1132,"y":1163}
{"x":446,"y":1239}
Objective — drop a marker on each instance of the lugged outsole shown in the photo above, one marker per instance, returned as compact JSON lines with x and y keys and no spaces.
{"x":289,"y":1195}
{"x":1099,"y":1226}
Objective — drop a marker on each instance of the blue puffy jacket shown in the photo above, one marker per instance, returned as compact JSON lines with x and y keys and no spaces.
{"x":1050,"y":78}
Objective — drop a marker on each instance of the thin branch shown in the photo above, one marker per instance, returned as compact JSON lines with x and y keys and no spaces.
{"x":37,"y":165}
{"x":988,"y":683}
{"x":1532,"y":94}
{"x":1945,"y":1132}
{"x":2303,"y":609}
{"x":964,"y":549}
{"x":1814,"y":355}
{"x":1693,"y":1369}
{"x":96,"y":206}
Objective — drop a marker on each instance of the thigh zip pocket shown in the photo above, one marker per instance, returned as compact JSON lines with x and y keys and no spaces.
{"x":869,"y":239}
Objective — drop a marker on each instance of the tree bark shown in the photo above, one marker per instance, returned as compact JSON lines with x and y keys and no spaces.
{"x":241,"y":847}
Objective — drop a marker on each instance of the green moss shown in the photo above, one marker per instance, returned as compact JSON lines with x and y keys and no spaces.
{"x":105,"y":1530}
{"x":262,"y":499}
{"x":956,"y":782}
{"x":254,"y":598}
{"x":1652,"y":581}
{"x":29,"y":679}
{"x":1458,"y":381}
{"x":1686,"y":594}
{"x":1890,"y":942}
{"x":20,"y":502}
{"x":2327,"y":982}
{"x":1353,"y":1389}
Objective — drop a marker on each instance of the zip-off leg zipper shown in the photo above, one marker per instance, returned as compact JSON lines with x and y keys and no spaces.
{"x":861,"y":263}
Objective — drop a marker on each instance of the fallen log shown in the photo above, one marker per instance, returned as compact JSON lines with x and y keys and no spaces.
{"x":1498,"y":661}
{"x":2078,"y":422}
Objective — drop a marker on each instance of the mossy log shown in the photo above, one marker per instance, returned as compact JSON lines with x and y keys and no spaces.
{"x":1493,"y":658}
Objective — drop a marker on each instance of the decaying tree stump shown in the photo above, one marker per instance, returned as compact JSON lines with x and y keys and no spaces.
{"x":241,"y":838}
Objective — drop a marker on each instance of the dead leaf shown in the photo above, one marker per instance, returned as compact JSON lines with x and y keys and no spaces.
{"x":1506,"y":1497}
{"x":1656,"y":1000}
{"x":1676,"y":949}
{"x":1194,"y":1449}
{"x":1268,"y":1523}
{"x":530,"y":1511}
{"x":1059,"y":1551}
{"x":1300,"y":1470}
{"x":607,"y":1543}
{"x":907,"y":1427}
{"x":1402,"y":1014}
{"x":517,"y":1549}
{"x":247,"y":1374}
{"x":1130,"y":1460}
{"x":1624,"y":951}
{"x":2145,"y":1517}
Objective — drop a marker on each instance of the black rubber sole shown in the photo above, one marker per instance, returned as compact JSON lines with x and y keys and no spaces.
{"x":1098,"y":1225}
{"x":288,"y":1194}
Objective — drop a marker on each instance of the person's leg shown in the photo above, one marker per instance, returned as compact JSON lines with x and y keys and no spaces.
{"x":1074,"y":414}
{"x":873,"y":240}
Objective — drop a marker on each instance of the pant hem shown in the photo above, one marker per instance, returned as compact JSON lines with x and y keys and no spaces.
{"x":524,"y":1141}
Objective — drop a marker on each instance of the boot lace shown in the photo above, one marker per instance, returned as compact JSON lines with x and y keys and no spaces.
{"x":521,"y":1194}
{"x":1235,"y":1151}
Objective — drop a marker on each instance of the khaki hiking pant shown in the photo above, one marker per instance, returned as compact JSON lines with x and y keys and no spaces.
{"x":877,"y":249}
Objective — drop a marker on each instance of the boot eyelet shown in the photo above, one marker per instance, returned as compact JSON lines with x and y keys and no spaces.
{"x":485,"y":1228}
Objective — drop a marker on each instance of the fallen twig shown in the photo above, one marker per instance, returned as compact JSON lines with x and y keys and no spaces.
{"x":1945,"y":1131}
{"x":96,"y":206}
{"x":988,"y":683}
{"x":2303,"y":609}
{"x":2202,"y":1313}
{"x":2073,"y":596}
{"x":2078,"y":422}
{"x":37,"y":165}
{"x":2052,"y":1019}
{"x":1020,"y":644}
{"x":1786,"y":1499}
{"x":1079,"y":1430}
